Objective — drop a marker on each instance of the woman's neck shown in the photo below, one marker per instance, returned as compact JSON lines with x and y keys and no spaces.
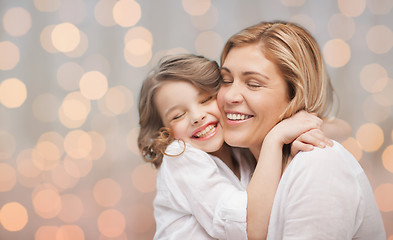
{"x":225,"y":154}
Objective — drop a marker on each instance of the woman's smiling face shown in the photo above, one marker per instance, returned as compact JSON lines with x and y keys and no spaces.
{"x":252,"y":97}
{"x":192,"y":115}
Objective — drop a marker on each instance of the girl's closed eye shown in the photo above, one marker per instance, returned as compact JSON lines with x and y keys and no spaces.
{"x":207,"y":99}
{"x":178,"y":116}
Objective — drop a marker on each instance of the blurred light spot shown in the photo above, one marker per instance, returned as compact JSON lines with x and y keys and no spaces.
{"x":53,"y":137}
{"x":47,"y":203}
{"x":380,"y":7}
{"x":17,"y":21}
{"x":93,"y":85}
{"x":375,"y":112}
{"x":77,"y":168}
{"x":46,"y":233}
{"x":72,"y":208}
{"x":142,"y":218}
{"x":45,"y":107}
{"x":385,"y":97}
{"x":137,"y":60}
{"x":25,"y":164}
{"x":336,"y":52}
{"x":132,"y":141}
{"x":111,"y":223}
{"x":387,"y":158}
{"x":47,"y":5}
{"x":99,"y":145}
{"x":7,"y":145}
{"x":65,"y":37}
{"x":370,"y":136}
{"x":70,"y":232}
{"x":74,"y":110}
{"x":122,"y":236}
{"x":138,"y":46}
{"x":73,"y":11}
{"x":341,"y":26}
{"x":383,"y":196}
{"x":46,"y":155}
{"x":126,"y":13}
{"x":97,"y":62}
{"x":13,"y":93}
{"x":103,"y":12}
{"x":305,"y":21}
{"x":68,"y":75}
{"x":62,"y":179}
{"x":373,"y":78}
{"x":9,"y":56}
{"x":209,"y":44}
{"x":13,"y":216}
{"x":351,"y":8}
{"x":144,"y":178}
{"x":107,"y":192}
{"x":77,"y":144}
{"x":353,"y":147}
{"x":206,"y":21}
{"x":7,"y":177}
{"x":379,"y":39}
{"x":46,"y":40}
{"x":118,"y":100}
{"x":293,"y":3}
{"x":138,"y":33}
{"x":196,"y":7}
{"x":81,"y":48}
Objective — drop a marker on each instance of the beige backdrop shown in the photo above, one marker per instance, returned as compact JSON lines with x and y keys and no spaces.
{"x":70,"y":73}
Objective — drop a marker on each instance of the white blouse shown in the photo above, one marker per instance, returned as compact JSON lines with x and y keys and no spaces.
{"x":199,"y":197}
{"x":324,"y":194}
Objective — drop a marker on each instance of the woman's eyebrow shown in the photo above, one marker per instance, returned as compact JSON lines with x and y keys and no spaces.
{"x":225,"y":69}
{"x":255,"y":73}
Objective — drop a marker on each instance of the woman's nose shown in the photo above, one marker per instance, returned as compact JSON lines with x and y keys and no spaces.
{"x":233,"y":94}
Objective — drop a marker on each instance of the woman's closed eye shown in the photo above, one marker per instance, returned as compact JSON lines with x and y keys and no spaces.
{"x":254,"y":84}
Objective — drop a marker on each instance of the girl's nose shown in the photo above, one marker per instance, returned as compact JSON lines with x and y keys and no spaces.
{"x":198,"y":117}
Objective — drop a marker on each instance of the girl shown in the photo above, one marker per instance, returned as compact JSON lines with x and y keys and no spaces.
{"x":202,"y":183}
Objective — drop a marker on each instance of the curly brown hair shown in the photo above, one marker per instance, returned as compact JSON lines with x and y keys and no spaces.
{"x":201,"y":72}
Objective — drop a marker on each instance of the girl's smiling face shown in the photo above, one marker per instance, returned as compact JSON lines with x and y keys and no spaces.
{"x":252,"y":97}
{"x":193,"y":116}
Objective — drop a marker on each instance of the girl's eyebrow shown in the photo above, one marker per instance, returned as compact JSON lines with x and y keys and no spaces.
{"x":245,"y":73}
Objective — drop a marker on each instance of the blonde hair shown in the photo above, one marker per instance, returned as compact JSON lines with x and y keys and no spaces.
{"x":298,"y":57}
{"x":201,"y":72}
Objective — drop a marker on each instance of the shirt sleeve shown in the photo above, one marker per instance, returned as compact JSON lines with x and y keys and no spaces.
{"x":323,"y":197}
{"x":217,"y":204}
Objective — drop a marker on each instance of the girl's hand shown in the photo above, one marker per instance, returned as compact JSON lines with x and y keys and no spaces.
{"x":286,"y":131}
{"x":308,"y":140}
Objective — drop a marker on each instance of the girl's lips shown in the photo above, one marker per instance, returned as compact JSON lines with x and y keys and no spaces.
{"x":205,"y":132}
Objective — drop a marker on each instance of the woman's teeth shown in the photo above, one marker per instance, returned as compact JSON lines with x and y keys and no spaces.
{"x":209,"y":129}
{"x":234,"y":117}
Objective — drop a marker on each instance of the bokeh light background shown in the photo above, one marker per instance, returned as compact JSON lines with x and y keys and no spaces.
{"x":70,"y":73}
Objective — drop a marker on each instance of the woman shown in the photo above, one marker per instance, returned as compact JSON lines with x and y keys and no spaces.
{"x":271,"y":71}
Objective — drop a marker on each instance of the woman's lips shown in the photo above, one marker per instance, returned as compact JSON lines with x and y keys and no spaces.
{"x":234,"y":118}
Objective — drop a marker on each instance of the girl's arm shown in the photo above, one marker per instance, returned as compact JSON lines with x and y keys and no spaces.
{"x":263,"y":185}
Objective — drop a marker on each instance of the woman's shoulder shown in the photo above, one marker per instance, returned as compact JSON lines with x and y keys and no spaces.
{"x":327,"y":159}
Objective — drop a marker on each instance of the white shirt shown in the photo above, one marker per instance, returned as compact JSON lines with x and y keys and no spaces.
{"x":199,"y":197}
{"x":324,"y":194}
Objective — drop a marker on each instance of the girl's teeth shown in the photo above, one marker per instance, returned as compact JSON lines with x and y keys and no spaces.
{"x":205,"y":131}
